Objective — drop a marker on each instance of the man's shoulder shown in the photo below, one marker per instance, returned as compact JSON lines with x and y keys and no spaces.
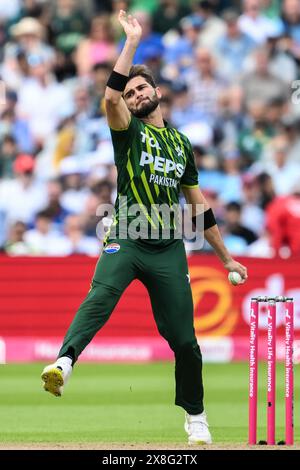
{"x":182,"y":136}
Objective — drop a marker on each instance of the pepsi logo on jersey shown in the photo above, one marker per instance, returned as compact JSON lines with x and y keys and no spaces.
{"x":112,"y":248}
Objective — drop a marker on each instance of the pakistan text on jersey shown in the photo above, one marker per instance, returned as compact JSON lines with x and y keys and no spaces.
{"x":163,"y":181}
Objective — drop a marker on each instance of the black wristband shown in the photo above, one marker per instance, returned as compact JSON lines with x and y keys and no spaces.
{"x":209,"y":219}
{"x":117,"y":81}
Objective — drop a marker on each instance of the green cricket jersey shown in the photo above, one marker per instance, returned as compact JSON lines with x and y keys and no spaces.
{"x":152,"y":164}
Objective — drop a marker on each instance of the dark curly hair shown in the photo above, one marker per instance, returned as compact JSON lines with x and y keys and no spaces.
{"x":142,"y":71}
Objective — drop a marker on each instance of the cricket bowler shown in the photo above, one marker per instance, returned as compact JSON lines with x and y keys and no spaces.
{"x":155,"y":163}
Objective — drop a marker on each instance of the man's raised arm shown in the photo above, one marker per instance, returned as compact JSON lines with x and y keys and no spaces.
{"x":118,"y":115}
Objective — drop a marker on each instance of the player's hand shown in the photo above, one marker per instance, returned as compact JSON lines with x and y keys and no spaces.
{"x":131,"y":27}
{"x":237,"y":267}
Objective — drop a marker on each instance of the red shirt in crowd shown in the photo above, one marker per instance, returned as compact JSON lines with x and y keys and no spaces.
{"x":283,"y":222}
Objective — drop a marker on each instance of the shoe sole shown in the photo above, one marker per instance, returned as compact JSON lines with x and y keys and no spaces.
{"x":53,"y":379}
{"x":196,"y":442}
{"x":199,"y":443}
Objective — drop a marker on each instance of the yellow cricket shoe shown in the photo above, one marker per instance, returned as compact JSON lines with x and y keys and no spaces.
{"x":56,"y":375}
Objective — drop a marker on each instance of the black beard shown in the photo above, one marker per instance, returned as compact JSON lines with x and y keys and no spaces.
{"x":147,"y":108}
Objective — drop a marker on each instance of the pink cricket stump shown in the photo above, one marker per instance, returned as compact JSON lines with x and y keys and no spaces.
{"x":253,"y":365}
{"x":271,"y":354}
{"x":289,"y":372}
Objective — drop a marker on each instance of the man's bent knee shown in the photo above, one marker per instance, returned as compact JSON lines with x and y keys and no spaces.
{"x":188,"y":349}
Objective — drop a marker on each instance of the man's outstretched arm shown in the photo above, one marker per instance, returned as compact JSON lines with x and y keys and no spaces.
{"x":118,"y":115}
{"x":212,"y":234}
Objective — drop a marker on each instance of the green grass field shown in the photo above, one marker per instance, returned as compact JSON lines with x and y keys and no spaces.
{"x":128,"y":404}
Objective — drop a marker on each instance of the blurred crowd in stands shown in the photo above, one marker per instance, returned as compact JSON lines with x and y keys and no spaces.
{"x":228,"y":71}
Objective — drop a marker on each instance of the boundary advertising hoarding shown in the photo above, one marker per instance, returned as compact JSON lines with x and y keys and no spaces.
{"x":39,"y":297}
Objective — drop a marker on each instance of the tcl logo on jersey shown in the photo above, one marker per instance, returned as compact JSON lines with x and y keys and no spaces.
{"x":151,"y":140}
{"x":162,"y":164}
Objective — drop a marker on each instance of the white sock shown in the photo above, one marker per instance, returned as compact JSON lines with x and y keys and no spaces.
{"x":64,"y":362}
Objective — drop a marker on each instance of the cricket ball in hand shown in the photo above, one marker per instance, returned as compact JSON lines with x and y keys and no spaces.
{"x":235,"y":278}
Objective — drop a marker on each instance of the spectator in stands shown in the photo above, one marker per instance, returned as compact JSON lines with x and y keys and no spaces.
{"x":101,"y":6}
{"x":166,"y":108}
{"x":8,"y":154}
{"x":11,"y":123}
{"x":98,"y":47}
{"x":54,"y":207}
{"x":252,"y":215}
{"x":291,"y":128}
{"x":233,"y":223}
{"x":168,"y":14}
{"x":231,"y":119}
{"x":215,"y":203}
{"x":233,"y":47}
{"x":210,"y":176}
{"x":266,"y":189}
{"x":253,"y":23}
{"x":99,"y":76}
{"x":68,"y":25}
{"x":275,"y":109}
{"x":153,"y":58}
{"x":43,"y":239}
{"x":2,"y":39}
{"x":280,"y":57}
{"x":75,"y":193}
{"x":205,"y":85}
{"x":42,"y":100}
{"x":89,"y":217}
{"x":183,"y":111}
{"x":261,"y":84}
{"x":291,"y":22}
{"x":180,"y":55}
{"x":284,"y":173}
{"x":255,"y":135}
{"x":15,"y":244}
{"x":214,"y":26}
{"x":64,"y":141}
{"x":220,"y":176}
{"x":9,"y":10}
{"x":199,"y":133}
{"x":23,"y":197}
{"x":78,"y":242}
{"x":30,"y":37}
{"x":262,"y":247}
{"x":28,"y":8}
{"x":271,"y":8}
{"x":283,"y":222}
{"x":234,"y":244}
{"x":231,"y":189}
{"x":84,"y":140}
{"x":103,"y":191}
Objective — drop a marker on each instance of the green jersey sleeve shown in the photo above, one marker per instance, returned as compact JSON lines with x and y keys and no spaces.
{"x":122,"y":139}
{"x":190,"y":176}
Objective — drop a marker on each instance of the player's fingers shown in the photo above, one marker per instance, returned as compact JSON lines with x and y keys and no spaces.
{"x":122,"y":19}
{"x":243,"y":272}
{"x":239,"y":268}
